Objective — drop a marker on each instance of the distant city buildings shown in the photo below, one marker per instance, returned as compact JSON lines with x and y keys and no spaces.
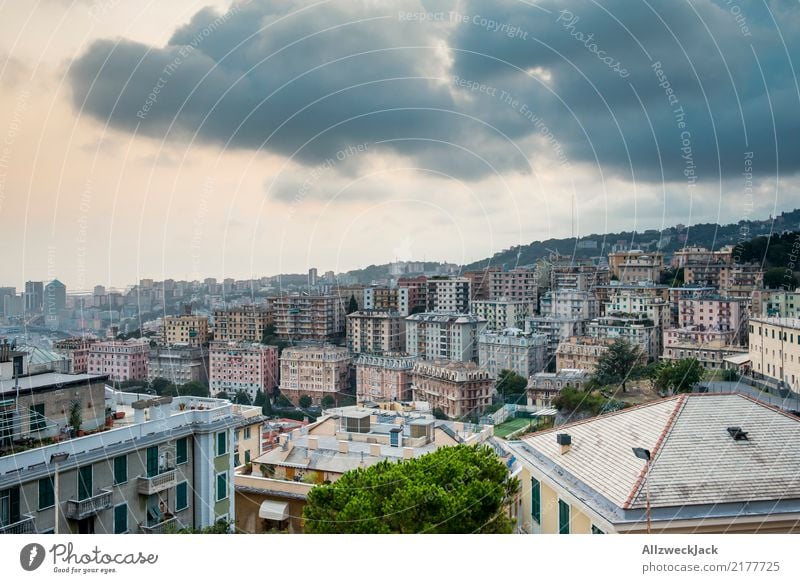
{"x":635,"y":265}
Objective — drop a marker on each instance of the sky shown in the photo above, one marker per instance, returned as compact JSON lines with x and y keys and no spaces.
{"x":191,"y":139}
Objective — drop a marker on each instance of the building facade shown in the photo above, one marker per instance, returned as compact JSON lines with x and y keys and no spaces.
{"x":376,"y":332}
{"x":120,"y":360}
{"x":457,"y":389}
{"x":774,"y":346}
{"x":187,"y":329}
{"x":512,"y":349}
{"x":581,"y":352}
{"x":382,"y":378}
{"x":502,"y":314}
{"x":543,"y":387}
{"x":317,"y":318}
{"x":179,"y":364}
{"x":315,"y":371}
{"x":241,"y":324}
{"x":453,"y":337}
{"x":242,"y":366}
{"x":449,"y":295}
{"x":77,"y":351}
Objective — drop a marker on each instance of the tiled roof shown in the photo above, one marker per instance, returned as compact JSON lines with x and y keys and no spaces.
{"x":695,"y":459}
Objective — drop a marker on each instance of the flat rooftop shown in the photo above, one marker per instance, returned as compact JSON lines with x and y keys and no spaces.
{"x":47,"y":380}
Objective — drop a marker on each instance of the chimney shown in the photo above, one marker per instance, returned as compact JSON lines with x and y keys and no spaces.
{"x":313,"y":442}
{"x":375,"y":449}
{"x":343,"y":447}
{"x":565,"y":441}
{"x":408,"y":453}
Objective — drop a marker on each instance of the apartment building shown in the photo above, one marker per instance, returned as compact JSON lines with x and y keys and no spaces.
{"x":77,"y":351}
{"x":433,"y":336}
{"x":635,"y":265}
{"x":581,"y":352}
{"x":481,"y":282}
{"x":604,"y":293}
{"x":543,"y":387}
{"x":382,"y":378}
{"x":776,"y":303}
{"x":578,"y":276}
{"x":317,"y":318}
{"x":166,"y":464}
{"x":676,"y":294}
{"x":717,"y":313}
{"x":636,"y":329}
{"x":512,"y":349}
{"x":271,"y":497}
{"x":699,"y":255}
{"x":515,"y":284}
{"x":570,"y":304}
{"x":710,"y":350}
{"x":241,"y":324}
{"x":315,"y":371}
{"x":376,"y":332}
{"x":556,"y":329}
{"x":121,"y":360}
{"x":187,"y":329}
{"x":725,"y":277}
{"x":449,"y":295}
{"x":457,"y":389}
{"x":179,"y":364}
{"x":774,"y":346}
{"x":249,"y":367}
{"x":387,"y":298}
{"x":502,"y":314}
{"x":416,"y":292}
{"x":630,"y":302}
{"x":739,"y":476}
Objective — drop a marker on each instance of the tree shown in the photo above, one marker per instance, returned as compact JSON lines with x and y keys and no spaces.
{"x":460,"y":489}
{"x":328,"y":401}
{"x":780,"y":277}
{"x":193,"y":389}
{"x":76,"y":414}
{"x":352,"y":305}
{"x":679,"y":376}
{"x":262,"y":401}
{"x":616,"y":363}
{"x":219,"y":527}
{"x":305,"y":401}
{"x":511,"y":385}
{"x":242,"y":398}
{"x":162,"y":386}
{"x":282,"y":401}
{"x":438,"y":413}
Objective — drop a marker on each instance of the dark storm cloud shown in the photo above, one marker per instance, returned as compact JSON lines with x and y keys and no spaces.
{"x":312,"y":83}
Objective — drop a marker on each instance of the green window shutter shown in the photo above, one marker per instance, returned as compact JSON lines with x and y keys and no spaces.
{"x":152,"y":461}
{"x":181,"y":496}
{"x":222,"y":486}
{"x":182,"y":451}
{"x":236,"y":460}
{"x":120,"y":519}
{"x":247,"y":456}
{"x":120,"y":469}
{"x":536,"y":500}
{"x":222,"y":443}
{"x":596,"y":530}
{"x":46,"y":493}
{"x":563,"y":517}
{"x":38,"y":420}
{"x":84,"y":482}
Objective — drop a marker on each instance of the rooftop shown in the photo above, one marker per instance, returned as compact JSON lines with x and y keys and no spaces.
{"x":48,"y":380}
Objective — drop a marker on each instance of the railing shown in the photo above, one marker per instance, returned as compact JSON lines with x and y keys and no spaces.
{"x":23,"y":526}
{"x":80,"y":509}
{"x":158,"y":483}
{"x":160,"y":528}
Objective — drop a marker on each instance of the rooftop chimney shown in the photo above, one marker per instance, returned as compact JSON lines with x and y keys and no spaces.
{"x":565,"y":441}
{"x":408,"y":453}
{"x":313,"y":442}
{"x":343,"y":447}
{"x":375,"y":449}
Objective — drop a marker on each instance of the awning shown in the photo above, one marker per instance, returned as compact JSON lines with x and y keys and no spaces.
{"x":738,"y":359}
{"x":274,"y":510}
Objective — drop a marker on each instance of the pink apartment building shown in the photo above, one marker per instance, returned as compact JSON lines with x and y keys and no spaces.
{"x":381,"y":378}
{"x":77,"y":350}
{"x":714,"y":313}
{"x":242,"y":366}
{"x":120,"y":360}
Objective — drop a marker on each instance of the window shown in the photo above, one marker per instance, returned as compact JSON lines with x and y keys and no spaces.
{"x":182,"y":496}
{"x":563,"y":517}
{"x":120,"y":470}
{"x":152,"y":461}
{"x":84,"y":482}
{"x":247,"y":433}
{"x":222,"y":443}
{"x":222,"y":486}
{"x":121,"y":519}
{"x":46,"y":493}
{"x":38,"y":420}
{"x":536,"y":500}
{"x":596,"y":530}
{"x":247,"y":456}
{"x":182,"y":451}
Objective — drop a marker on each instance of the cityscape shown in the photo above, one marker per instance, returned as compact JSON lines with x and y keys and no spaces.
{"x":355,"y":267}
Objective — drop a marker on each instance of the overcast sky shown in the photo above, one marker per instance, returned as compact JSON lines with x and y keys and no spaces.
{"x":189,"y":139}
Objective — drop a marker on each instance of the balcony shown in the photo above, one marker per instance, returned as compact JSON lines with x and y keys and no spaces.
{"x":23,"y":526}
{"x":153,"y":485}
{"x":167,"y":525}
{"x":80,"y":509}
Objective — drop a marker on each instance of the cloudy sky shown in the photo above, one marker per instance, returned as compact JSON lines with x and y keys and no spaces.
{"x":189,"y":139}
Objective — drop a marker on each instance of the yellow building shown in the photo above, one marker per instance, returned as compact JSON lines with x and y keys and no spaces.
{"x":775,"y":350}
{"x":719,"y":464}
{"x":186,"y":329}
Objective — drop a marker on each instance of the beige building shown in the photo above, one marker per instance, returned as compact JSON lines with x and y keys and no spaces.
{"x":241,"y":324}
{"x":271,"y":497}
{"x":382,"y":378}
{"x":502,"y":314}
{"x":188,"y":329}
{"x":729,"y":279}
{"x":635,"y":266}
{"x":543,"y":387}
{"x":458,"y":389}
{"x":376,"y":332}
{"x":719,"y":464}
{"x":581,"y":352}
{"x":775,"y":350}
{"x":318,"y":318}
{"x":316,"y":371}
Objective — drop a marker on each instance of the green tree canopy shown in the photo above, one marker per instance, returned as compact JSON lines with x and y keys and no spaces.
{"x":305,"y":401}
{"x":460,"y":489}
{"x":780,"y":277}
{"x":328,"y":401}
{"x":193,"y":389}
{"x":352,"y":305}
{"x":616,"y":364}
{"x":511,"y":385}
{"x":679,"y":376}
{"x":242,"y":398}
